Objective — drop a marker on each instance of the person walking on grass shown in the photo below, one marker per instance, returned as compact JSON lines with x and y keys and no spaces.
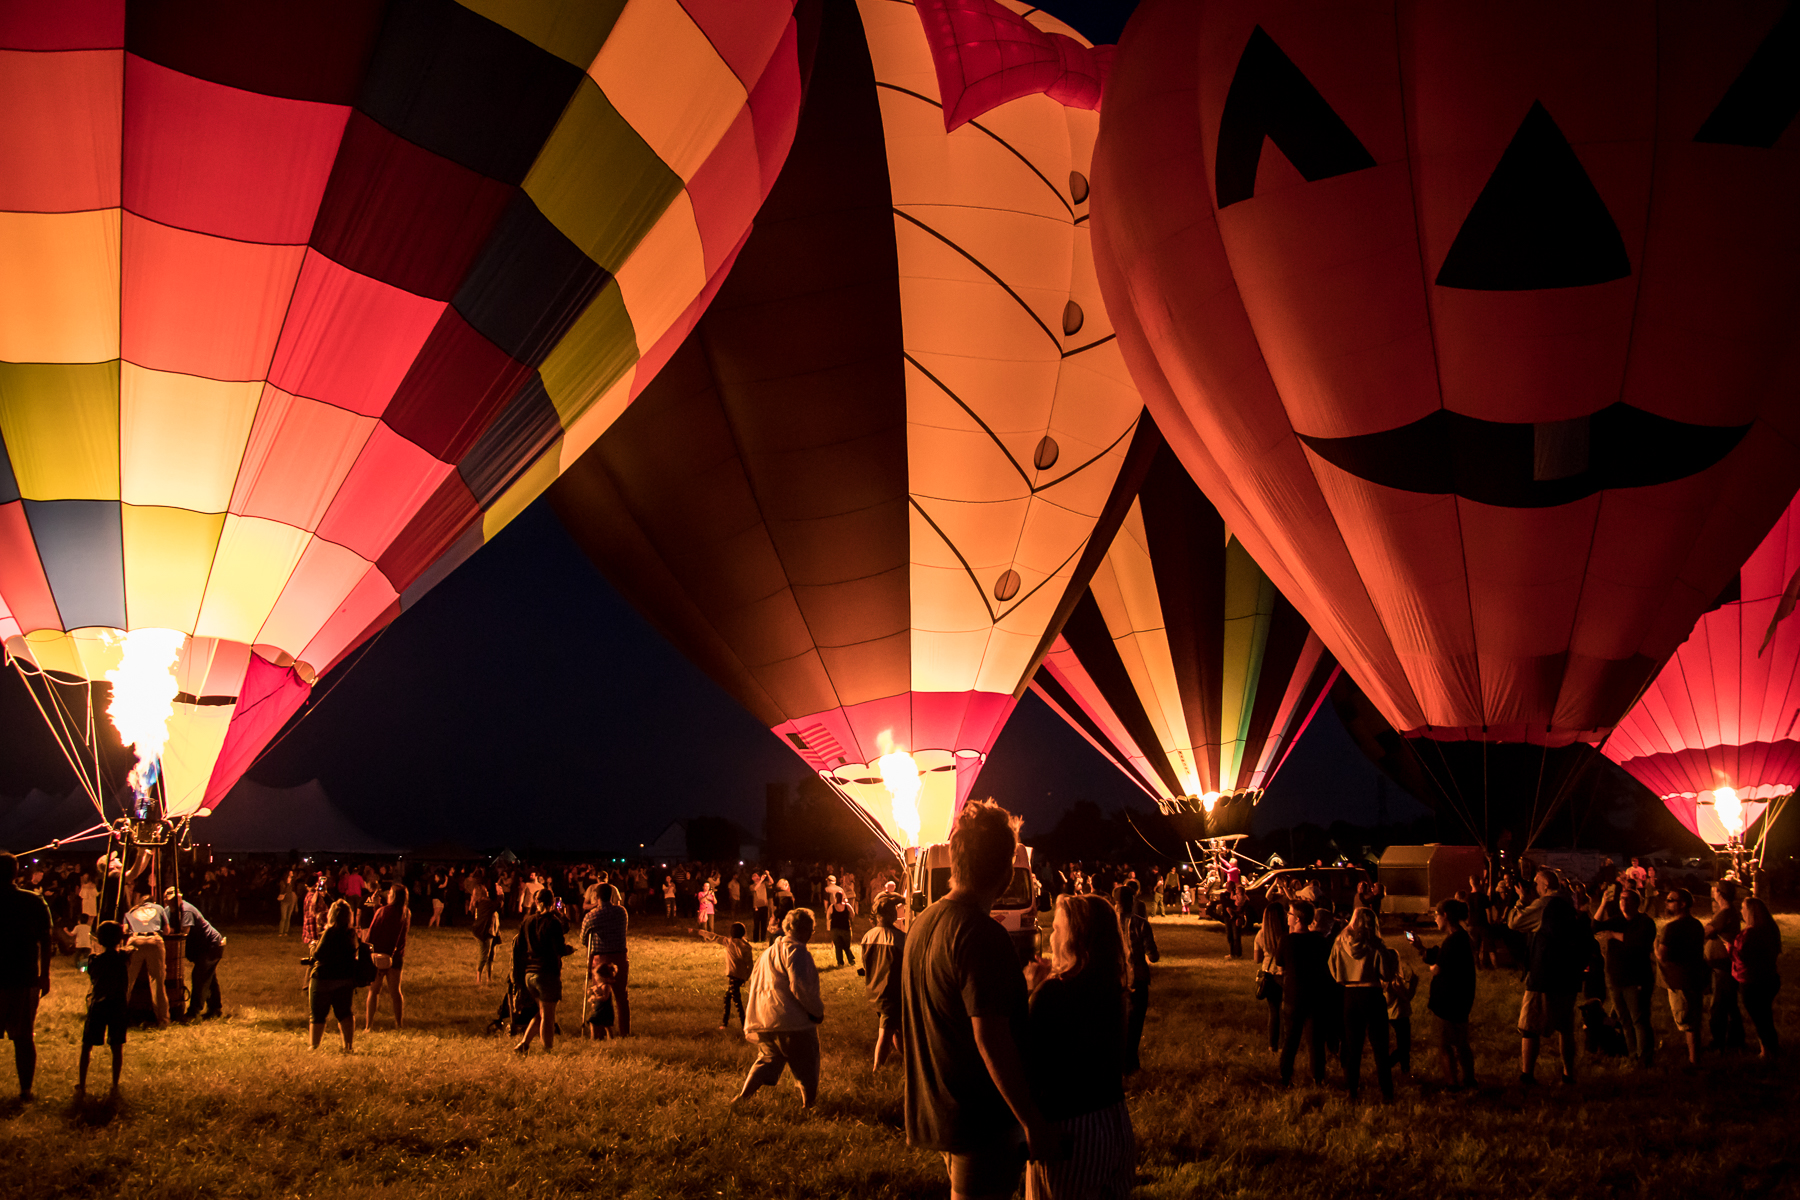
{"x":289,"y":898}
{"x":961,"y":998}
{"x":760,"y":884}
{"x":1560,"y":943}
{"x":106,"y":1013}
{"x":537,"y":961}
{"x":1306,"y":990}
{"x":1755,"y":953}
{"x":1628,"y":942}
{"x":484,"y":914}
{"x":25,"y":949}
{"x":331,"y":987}
{"x":1140,"y":947}
{"x":387,"y":947}
{"x":740,"y":961}
{"x":603,"y":934}
{"x":884,"y":950}
{"x":784,"y":1012}
{"x":1359,"y":964}
{"x":1726,"y":1020}
{"x":1681,"y":955}
{"x":1076,"y":1054}
{"x":837,"y":919}
{"x":708,"y":904}
{"x":1402,"y":986}
{"x":1265,"y":951}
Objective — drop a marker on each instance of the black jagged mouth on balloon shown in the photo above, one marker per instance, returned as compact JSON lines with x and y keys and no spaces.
{"x":1524,"y":465}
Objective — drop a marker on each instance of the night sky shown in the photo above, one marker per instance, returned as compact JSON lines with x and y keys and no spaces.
{"x":523,"y":702}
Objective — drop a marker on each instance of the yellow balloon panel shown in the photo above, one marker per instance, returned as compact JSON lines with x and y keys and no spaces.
{"x":181,"y":438}
{"x":196,"y":734}
{"x":61,"y":428}
{"x":254,"y":561}
{"x":168,"y":558}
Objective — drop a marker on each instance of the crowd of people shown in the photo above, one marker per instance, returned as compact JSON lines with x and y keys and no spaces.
{"x":1011,"y":1069}
{"x":1589,"y":960}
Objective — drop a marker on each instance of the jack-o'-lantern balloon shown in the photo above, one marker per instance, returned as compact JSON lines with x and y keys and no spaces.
{"x":1477,"y":322}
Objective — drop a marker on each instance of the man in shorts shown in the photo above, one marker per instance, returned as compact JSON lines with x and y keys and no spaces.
{"x":961,"y":994}
{"x":1558,"y":957}
{"x":541,"y":949}
{"x":1681,"y":955}
{"x":24,"y":968}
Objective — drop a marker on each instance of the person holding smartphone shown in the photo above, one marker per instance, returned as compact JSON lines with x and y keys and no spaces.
{"x":1452,"y":964}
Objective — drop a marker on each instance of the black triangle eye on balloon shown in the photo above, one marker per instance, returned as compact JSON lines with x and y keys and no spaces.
{"x":1765,"y":97}
{"x":1538,"y":223}
{"x":1270,"y":98}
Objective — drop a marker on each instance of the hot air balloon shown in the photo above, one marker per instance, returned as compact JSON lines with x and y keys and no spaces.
{"x":1714,"y":735}
{"x":1182,"y":663}
{"x":301,"y":303}
{"x":861,"y":493}
{"x":1475,"y":322}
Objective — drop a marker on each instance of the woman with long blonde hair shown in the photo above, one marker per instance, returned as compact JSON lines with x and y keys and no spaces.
{"x":1075,"y":1054}
{"x":1364,"y":971}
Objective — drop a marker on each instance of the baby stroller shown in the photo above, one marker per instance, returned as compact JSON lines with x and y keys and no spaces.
{"x":516,"y":1010}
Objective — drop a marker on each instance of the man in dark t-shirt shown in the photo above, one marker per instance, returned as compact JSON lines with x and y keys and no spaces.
{"x":961,"y":997}
{"x":1681,"y":954}
{"x":1306,"y":990}
{"x":24,"y":968}
{"x":884,"y":949}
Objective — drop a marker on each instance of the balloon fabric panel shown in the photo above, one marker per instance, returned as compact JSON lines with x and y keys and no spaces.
{"x":895,"y":447}
{"x":1430,"y":303}
{"x":1724,"y":711}
{"x":308,"y":233}
{"x":1182,"y":663}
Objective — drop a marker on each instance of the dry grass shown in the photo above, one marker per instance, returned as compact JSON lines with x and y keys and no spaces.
{"x":239,"y":1108}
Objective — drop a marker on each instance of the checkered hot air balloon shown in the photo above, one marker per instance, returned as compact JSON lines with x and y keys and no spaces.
{"x":301,"y":302}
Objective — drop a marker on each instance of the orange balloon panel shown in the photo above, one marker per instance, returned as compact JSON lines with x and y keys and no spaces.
{"x":1475,"y":322}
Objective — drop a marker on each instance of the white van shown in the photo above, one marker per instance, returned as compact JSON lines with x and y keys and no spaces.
{"x":928,"y":881}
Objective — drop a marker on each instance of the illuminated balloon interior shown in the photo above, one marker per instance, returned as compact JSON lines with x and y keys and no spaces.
{"x":143,"y":699}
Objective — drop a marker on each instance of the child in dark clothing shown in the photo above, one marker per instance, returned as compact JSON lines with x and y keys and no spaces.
{"x":107,"y":977}
{"x":600,"y":1002}
{"x":740,"y":959}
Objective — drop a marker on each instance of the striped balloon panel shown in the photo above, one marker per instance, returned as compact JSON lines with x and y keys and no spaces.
{"x":1182,"y":663}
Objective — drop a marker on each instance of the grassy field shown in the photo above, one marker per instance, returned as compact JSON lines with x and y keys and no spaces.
{"x":240,"y":1108}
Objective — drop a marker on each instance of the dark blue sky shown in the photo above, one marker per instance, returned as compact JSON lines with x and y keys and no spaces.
{"x":522,"y":701}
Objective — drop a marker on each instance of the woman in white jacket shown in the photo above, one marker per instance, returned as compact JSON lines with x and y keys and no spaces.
{"x":783,"y":1010}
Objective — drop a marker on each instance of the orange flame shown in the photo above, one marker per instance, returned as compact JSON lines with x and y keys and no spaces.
{"x":900,"y":776}
{"x":143,"y":698}
{"x":1730,"y":810}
